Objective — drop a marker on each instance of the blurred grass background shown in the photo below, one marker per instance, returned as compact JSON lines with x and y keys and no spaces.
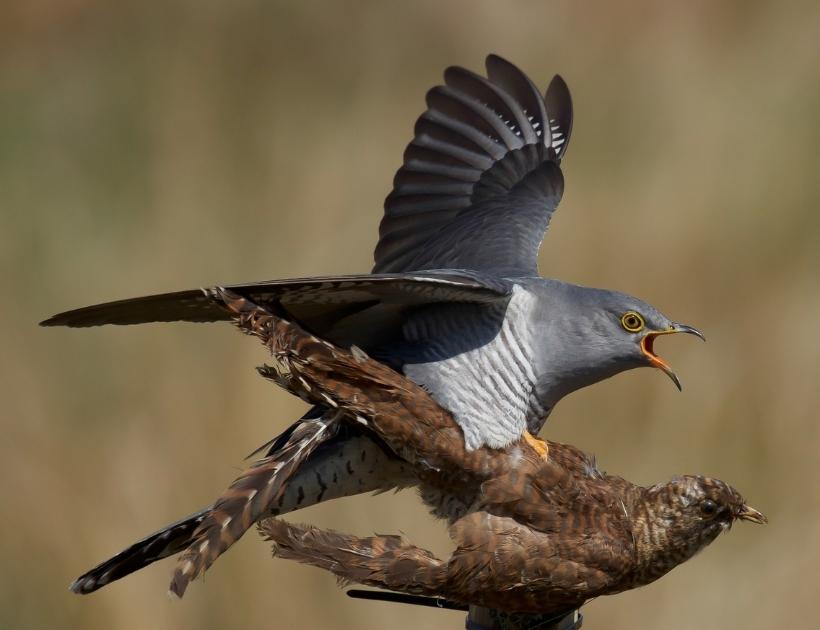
{"x":147,"y":147}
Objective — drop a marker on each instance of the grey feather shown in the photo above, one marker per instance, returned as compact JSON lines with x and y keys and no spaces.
{"x":458,"y":191}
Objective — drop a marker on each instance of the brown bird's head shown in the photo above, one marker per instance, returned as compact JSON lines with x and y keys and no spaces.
{"x":678,"y":519}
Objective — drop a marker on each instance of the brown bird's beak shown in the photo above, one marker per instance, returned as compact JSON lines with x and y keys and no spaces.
{"x":746,"y":513}
{"x":648,"y":342}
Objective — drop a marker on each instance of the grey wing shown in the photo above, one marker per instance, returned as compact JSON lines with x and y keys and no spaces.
{"x":362,"y":309}
{"x":481,"y":177}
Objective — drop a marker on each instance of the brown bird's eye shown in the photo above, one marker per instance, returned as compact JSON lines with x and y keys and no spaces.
{"x":632,"y":322}
{"x":708,"y":508}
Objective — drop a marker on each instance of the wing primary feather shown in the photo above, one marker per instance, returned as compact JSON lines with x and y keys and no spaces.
{"x":464,"y":156}
{"x":504,"y":105}
{"x":510,"y":78}
{"x":486,"y":128}
{"x":479,"y":138}
{"x":559,"y":110}
{"x":440,"y":127}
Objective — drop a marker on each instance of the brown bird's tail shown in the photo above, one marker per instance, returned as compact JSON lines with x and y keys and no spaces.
{"x":321,"y":460}
{"x":256,"y":491}
{"x":388,"y":562}
{"x":349,"y":463}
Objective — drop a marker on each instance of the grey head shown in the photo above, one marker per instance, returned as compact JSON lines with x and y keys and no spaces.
{"x":587,"y":335}
{"x":501,"y":369}
{"x":675,"y":520}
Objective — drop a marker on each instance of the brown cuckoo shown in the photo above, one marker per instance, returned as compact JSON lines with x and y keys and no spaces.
{"x":540,"y":534}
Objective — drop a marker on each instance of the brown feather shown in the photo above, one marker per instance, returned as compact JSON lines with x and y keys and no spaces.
{"x":384,"y":561}
{"x":246,"y":500}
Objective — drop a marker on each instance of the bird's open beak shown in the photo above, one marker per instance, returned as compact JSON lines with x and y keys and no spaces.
{"x":648,"y":342}
{"x":746,"y":513}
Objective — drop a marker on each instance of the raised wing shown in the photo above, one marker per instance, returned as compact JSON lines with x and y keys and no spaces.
{"x":481,"y":177}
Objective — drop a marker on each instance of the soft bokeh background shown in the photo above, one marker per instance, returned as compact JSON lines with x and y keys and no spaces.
{"x":147,"y":147}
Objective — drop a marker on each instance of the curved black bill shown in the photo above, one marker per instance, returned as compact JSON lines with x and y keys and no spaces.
{"x":690,"y":330}
{"x":648,"y":343}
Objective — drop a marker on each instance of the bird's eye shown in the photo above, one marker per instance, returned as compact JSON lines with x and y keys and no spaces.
{"x":708,"y":508}
{"x":632,"y":322}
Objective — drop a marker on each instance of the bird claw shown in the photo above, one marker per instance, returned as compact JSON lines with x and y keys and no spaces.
{"x":539,"y":446}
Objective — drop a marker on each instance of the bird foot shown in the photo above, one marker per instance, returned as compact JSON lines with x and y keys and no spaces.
{"x":538,"y":445}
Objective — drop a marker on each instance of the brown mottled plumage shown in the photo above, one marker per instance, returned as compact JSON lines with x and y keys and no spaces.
{"x":541,"y":534}
{"x":248,"y":498}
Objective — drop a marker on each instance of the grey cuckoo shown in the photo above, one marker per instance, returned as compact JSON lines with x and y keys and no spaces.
{"x":454,"y":301}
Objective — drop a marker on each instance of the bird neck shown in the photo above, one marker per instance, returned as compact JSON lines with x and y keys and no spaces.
{"x":662,"y":540}
{"x":573,"y":339}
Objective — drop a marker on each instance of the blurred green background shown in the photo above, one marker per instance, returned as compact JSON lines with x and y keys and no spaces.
{"x":147,"y":147}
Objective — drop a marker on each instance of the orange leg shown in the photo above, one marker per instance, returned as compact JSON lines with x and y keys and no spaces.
{"x":539,"y":446}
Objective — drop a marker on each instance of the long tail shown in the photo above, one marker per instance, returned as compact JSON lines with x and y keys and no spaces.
{"x":256,"y":491}
{"x":384,"y":561}
{"x":166,"y":542}
{"x":349,"y":463}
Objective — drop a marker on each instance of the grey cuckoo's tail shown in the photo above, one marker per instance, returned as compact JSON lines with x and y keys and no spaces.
{"x":169,"y":540}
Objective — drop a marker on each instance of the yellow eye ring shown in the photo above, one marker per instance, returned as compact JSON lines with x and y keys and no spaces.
{"x":632,"y":322}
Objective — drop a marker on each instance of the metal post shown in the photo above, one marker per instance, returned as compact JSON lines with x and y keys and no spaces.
{"x":486,"y":619}
{"x":478,"y":617}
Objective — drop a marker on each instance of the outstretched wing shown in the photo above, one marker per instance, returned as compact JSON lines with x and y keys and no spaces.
{"x":362,"y":309}
{"x":481,"y":177}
